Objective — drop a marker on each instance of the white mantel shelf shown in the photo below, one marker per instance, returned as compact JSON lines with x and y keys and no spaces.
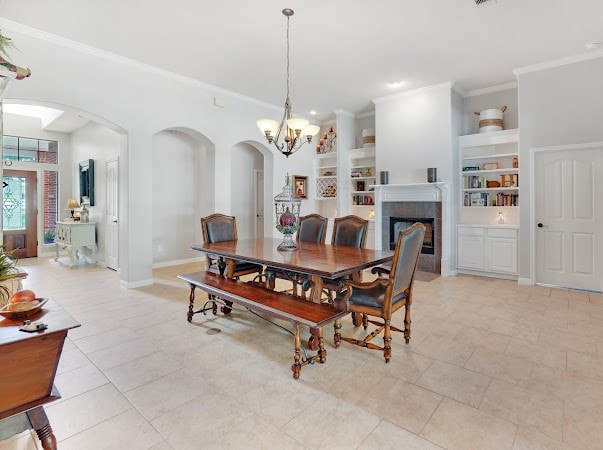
{"x":416,"y":192}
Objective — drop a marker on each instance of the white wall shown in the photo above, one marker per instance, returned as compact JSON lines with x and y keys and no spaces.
{"x":97,"y":142}
{"x":413,"y":132}
{"x":244,"y":160}
{"x":143,"y":101}
{"x":558,"y":106}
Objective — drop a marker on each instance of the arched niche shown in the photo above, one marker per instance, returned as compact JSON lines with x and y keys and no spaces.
{"x":183,"y":173}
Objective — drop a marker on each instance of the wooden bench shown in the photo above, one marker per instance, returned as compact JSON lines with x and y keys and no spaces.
{"x":276,"y":304}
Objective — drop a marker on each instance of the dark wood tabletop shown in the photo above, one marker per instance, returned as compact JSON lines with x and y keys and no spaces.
{"x":327,"y":261}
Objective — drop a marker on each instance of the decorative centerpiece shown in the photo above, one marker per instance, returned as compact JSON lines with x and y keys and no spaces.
{"x":287,"y":207}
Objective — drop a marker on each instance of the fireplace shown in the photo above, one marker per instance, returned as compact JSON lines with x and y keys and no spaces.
{"x":398,"y":224}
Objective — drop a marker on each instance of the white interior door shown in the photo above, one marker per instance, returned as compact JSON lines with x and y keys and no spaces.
{"x":568,"y":204}
{"x":112,"y":223}
{"x":259,"y":202}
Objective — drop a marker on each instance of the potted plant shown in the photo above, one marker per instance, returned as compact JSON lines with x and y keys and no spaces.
{"x":6,"y":44}
{"x":9,"y":276}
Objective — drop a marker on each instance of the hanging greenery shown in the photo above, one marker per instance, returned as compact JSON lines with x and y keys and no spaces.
{"x":6,"y":44}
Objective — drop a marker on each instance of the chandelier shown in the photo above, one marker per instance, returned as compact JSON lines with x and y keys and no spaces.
{"x":295,"y":132}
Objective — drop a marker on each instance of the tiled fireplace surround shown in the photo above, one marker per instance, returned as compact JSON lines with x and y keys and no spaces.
{"x":414,"y":201}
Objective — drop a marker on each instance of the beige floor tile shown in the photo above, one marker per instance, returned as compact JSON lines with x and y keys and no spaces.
{"x":563,"y":384}
{"x":455,"y":425}
{"x":401,"y":403}
{"x":281,"y":400}
{"x":78,"y":381}
{"x":404,"y":364}
{"x":446,"y":350}
{"x":162,"y":446}
{"x":334,"y":423}
{"x":141,"y":371}
{"x":497,"y":365}
{"x":538,"y":353}
{"x":585,"y":365}
{"x":201,"y":421}
{"x":564,"y":340}
{"x":525,"y":406}
{"x":122,"y":353}
{"x":79,"y":413}
{"x":168,"y":393}
{"x":105,"y":339}
{"x":254,"y":433}
{"x":583,"y":423}
{"x":22,"y":441}
{"x":72,"y":359}
{"x":127,"y":430}
{"x":529,"y":439}
{"x":388,"y":436}
{"x":481,"y":338}
{"x":451,"y":381}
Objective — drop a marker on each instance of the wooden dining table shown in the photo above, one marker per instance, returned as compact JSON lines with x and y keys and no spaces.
{"x":316,"y":261}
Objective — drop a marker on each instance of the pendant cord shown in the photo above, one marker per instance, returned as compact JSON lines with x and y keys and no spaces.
{"x":288,"y":57}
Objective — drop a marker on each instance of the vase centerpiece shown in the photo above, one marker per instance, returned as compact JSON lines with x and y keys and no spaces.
{"x":287,"y":207}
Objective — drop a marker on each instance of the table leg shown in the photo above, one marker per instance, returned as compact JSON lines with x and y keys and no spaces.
{"x":39,"y":422}
{"x":56,"y":249}
{"x":191,"y":301}
{"x":296,"y":367}
{"x":317,"y":285}
{"x":222,"y":267}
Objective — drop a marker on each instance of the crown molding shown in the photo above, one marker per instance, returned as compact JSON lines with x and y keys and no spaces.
{"x":491,"y":89}
{"x":364,"y":115}
{"x":459,"y":90}
{"x":388,"y":98}
{"x":558,"y":62}
{"x":343,"y":112}
{"x":93,"y":51}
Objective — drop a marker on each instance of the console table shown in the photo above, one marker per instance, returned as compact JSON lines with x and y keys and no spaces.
{"x":73,"y":236}
{"x":29,"y":364}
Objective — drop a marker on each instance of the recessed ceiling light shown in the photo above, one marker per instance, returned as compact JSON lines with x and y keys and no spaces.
{"x":594,"y":45}
{"x":396,"y":84}
{"x":313,"y":112}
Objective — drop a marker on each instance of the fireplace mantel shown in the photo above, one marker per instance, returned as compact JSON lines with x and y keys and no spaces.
{"x":416,"y":192}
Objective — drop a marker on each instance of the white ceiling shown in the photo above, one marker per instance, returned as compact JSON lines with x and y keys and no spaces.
{"x":343,"y":52}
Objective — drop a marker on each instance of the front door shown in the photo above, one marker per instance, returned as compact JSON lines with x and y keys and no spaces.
{"x":20,"y":213}
{"x":112,"y":230}
{"x":568,"y":197}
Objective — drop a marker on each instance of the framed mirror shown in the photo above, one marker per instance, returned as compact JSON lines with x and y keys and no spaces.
{"x":87,"y":182}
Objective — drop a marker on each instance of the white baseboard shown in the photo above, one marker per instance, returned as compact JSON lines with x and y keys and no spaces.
{"x":178,"y":262}
{"x":525,"y":281}
{"x":136,"y":284}
{"x":478,"y":273}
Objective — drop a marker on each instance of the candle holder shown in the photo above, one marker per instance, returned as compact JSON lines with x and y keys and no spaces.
{"x":287,"y":207}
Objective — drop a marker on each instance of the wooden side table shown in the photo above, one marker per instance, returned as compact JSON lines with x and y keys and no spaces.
{"x":29,"y":365}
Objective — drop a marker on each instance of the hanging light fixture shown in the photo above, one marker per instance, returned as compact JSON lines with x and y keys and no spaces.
{"x":296,"y":132}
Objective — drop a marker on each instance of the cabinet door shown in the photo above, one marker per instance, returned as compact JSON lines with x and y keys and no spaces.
{"x":470,"y":253}
{"x":502,"y":255}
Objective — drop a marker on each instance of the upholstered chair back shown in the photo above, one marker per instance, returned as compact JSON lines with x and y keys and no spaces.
{"x":312,"y":228}
{"x":350,"y":231}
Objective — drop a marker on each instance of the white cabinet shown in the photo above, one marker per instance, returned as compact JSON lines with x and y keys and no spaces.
{"x":487,"y":248}
{"x":73,"y":236}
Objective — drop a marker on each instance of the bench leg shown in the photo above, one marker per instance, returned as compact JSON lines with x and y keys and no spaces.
{"x":296,"y":367}
{"x":322,"y":353}
{"x":225,"y":309}
{"x":337,"y":336}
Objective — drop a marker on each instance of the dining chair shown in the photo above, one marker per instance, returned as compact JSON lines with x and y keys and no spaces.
{"x":385,"y":295}
{"x":312,"y":228}
{"x":218,"y":228}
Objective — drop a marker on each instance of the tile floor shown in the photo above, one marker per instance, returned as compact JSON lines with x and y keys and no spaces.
{"x":491,"y":364}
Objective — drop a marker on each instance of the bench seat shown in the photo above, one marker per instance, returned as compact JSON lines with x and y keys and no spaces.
{"x":276,"y":304}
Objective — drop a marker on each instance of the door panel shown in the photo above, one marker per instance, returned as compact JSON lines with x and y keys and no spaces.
{"x":568,"y":194}
{"x":20,"y":211}
{"x":112,"y":224}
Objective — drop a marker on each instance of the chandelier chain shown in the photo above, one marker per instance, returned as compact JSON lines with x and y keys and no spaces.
{"x":288,"y":57}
